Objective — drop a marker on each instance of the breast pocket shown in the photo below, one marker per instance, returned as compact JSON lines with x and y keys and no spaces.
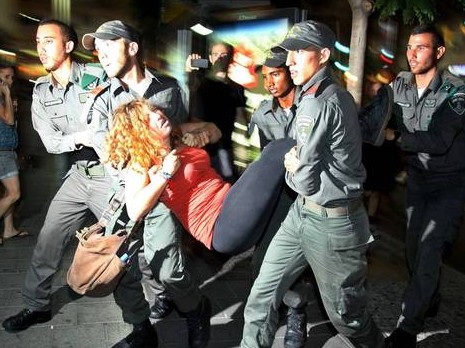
{"x":60,"y":122}
{"x":273,"y":131}
{"x":408,"y":117}
{"x":56,"y":111}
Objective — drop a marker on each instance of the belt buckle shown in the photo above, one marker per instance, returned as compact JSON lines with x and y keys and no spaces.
{"x":83,"y":170}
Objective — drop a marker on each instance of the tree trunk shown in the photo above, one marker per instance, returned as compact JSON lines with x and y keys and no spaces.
{"x":361,"y":10}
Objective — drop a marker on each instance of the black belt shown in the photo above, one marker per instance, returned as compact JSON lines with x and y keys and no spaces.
{"x":343,"y":210}
{"x":91,"y":171}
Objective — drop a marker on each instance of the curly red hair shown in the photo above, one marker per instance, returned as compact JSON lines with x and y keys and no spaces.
{"x":130,"y":143}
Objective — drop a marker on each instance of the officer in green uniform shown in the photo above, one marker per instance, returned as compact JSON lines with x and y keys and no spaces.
{"x":275,"y":119}
{"x":119,"y":48}
{"x":327,"y":226}
{"x":430,"y":112}
{"x":58,"y":100}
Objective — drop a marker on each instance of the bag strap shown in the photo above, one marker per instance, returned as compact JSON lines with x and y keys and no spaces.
{"x":116,"y":201}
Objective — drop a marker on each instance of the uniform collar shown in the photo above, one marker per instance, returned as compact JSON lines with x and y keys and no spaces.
{"x":315,"y":81}
{"x":76,"y":73}
{"x":116,"y":87}
{"x":275,"y":105}
{"x":434,"y":84}
{"x":74,"y":78}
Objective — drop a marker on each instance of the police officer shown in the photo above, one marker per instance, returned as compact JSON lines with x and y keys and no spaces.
{"x":119,"y":49}
{"x":430,"y":113}
{"x":275,"y":119}
{"x":327,"y":225}
{"x":57,"y":102}
{"x":59,"y":114}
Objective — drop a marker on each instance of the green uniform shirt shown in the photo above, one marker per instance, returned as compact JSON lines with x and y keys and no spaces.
{"x":273,"y":122}
{"x":57,"y":111}
{"x":432,"y":126}
{"x":329,"y":144}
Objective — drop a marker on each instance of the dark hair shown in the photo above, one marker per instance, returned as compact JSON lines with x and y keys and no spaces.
{"x":222,"y":63}
{"x":438,"y":39}
{"x":141,"y":53}
{"x":5,"y":65}
{"x":229,"y":47}
{"x":68,"y":32}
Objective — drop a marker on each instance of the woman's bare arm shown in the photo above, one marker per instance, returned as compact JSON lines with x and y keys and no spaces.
{"x":6,"y":109}
{"x":143,"y":190}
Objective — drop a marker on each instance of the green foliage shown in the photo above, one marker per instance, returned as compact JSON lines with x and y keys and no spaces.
{"x":413,"y":11}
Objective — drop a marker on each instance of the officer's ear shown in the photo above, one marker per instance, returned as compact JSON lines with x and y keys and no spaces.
{"x":133,"y":48}
{"x":440,"y":52}
{"x":69,"y":46}
{"x":325,"y":53}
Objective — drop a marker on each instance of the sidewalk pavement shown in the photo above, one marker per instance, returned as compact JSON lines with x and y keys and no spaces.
{"x":97,"y":323}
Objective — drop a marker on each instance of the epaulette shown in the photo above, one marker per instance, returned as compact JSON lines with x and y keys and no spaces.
{"x":404,"y":75}
{"x":455,"y":89}
{"x":42,"y":79}
{"x":263,"y":103}
{"x":163,"y":78}
{"x":452,"y":84}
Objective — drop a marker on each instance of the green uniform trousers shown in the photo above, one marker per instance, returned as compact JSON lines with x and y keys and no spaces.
{"x":335,"y":248}
{"x":160,"y":235}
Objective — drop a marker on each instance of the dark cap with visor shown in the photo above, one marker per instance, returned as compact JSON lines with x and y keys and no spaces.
{"x":306,"y":34}
{"x":111,"y":30}
{"x":275,"y":59}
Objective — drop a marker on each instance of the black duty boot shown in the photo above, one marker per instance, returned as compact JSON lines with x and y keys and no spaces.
{"x":162,"y":307}
{"x":374,"y":117}
{"x":24,"y":319}
{"x":401,"y":339}
{"x":144,"y":335}
{"x":296,"y":331}
{"x":198,"y":324}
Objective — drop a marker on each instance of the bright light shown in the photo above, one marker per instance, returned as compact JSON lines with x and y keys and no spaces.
{"x":340,"y":66}
{"x":351,"y":78}
{"x":387,"y":53}
{"x":29,"y":17}
{"x":341,"y":47}
{"x":385,"y":59}
{"x":7,"y":53}
{"x":457,"y":70}
{"x":202,"y":30}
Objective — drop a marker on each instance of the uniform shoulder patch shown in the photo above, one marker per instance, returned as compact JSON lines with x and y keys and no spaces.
{"x":304,"y":127}
{"x":92,"y":76}
{"x":457,"y":103}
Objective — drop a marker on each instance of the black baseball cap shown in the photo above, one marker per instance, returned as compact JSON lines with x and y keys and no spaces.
{"x":275,"y":59}
{"x":111,"y":30}
{"x":305,"y":34}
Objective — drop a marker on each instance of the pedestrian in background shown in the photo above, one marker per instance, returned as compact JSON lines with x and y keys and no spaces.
{"x":382,"y":162}
{"x":9,"y":170}
{"x":215,"y":98}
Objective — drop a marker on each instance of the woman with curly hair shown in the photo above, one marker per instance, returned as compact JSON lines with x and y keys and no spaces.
{"x":160,"y":167}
